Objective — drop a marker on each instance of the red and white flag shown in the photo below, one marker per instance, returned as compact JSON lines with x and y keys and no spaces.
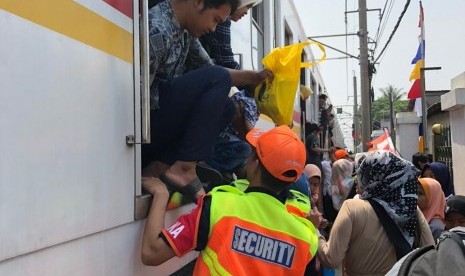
{"x":383,"y":142}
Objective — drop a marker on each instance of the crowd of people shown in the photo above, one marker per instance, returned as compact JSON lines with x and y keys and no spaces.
{"x":285,"y":209}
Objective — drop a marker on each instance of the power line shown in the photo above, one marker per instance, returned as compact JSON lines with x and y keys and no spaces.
{"x":347,"y":60}
{"x":395,"y":29}
{"x":386,"y":20}
{"x":380,"y":20}
{"x":389,"y":9}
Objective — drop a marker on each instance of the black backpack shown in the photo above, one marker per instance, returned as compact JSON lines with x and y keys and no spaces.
{"x":445,"y":258}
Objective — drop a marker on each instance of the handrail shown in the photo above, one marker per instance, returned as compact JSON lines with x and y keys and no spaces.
{"x":145,"y":72}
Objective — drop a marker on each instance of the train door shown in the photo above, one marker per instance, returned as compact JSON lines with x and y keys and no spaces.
{"x":67,"y":104}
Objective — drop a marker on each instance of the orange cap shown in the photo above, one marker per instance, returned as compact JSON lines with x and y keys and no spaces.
{"x":280,"y":151}
{"x":339,"y":154}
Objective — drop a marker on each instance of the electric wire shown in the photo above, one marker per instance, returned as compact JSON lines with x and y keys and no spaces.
{"x":347,"y":60}
{"x":386,"y":20}
{"x":394,"y":30}
{"x":380,"y":20}
{"x":385,"y":16}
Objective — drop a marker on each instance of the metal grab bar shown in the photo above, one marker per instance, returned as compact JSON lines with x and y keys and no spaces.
{"x":145,"y":71}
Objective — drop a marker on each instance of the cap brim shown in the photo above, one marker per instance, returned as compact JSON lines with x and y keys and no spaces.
{"x":253,"y":135}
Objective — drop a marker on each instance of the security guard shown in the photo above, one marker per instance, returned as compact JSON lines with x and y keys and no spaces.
{"x":236,"y":232}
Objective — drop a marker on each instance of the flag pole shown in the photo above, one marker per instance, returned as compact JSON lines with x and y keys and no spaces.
{"x":424,"y":114}
{"x":424,"y":120}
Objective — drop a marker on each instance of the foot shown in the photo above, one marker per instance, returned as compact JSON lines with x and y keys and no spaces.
{"x":182,"y":173}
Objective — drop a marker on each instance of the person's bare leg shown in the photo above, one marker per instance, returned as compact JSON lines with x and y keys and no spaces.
{"x":183,"y":173}
{"x":154,"y":169}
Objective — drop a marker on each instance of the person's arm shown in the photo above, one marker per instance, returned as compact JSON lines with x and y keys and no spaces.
{"x":247,"y":114}
{"x":332,"y":252}
{"x":155,"y":251}
{"x":320,"y":150}
{"x":241,"y":124}
{"x":249,"y":78}
{"x":316,"y":148}
{"x":331,"y":123}
{"x":312,"y":144}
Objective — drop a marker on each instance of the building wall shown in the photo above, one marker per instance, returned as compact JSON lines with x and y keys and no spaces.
{"x":454,"y":103}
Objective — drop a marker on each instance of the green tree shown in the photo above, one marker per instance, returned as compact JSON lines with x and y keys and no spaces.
{"x":380,"y":107}
{"x":389,"y":90}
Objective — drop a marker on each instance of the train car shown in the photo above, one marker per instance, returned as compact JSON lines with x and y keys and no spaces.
{"x":70,"y":134}
{"x":277,"y":24}
{"x":73,"y":106}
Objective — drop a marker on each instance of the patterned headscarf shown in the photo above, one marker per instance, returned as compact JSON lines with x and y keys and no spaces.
{"x":341,"y":181}
{"x":392,"y":182}
{"x":435,"y":199}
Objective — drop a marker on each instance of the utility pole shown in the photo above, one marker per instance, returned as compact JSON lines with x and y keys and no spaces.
{"x":364,"y":75}
{"x":356,"y":142}
{"x":364,"y":80}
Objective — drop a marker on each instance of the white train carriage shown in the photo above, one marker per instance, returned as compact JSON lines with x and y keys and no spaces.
{"x":71,"y":125}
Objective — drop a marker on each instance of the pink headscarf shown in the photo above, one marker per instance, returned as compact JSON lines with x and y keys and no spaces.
{"x":310,"y":171}
{"x":435,"y":199}
{"x":341,"y":181}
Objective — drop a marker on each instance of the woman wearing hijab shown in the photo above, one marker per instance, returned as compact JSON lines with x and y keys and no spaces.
{"x":432,"y":203}
{"x":440,"y":172}
{"x":313,"y":175}
{"x":341,"y":182}
{"x":358,"y":237}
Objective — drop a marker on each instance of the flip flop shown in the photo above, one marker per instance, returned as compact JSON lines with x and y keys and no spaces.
{"x":190,"y":190}
{"x":210,"y":176}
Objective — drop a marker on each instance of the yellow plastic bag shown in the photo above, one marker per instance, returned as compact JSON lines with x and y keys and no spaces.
{"x":276,"y":99}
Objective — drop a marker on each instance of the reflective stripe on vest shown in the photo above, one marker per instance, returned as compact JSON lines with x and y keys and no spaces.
{"x":252,"y":233}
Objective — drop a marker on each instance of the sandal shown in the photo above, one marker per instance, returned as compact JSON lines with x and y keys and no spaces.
{"x":190,"y":190}
{"x":210,"y":176}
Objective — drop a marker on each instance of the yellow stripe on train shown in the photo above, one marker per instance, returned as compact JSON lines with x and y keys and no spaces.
{"x":77,"y":22}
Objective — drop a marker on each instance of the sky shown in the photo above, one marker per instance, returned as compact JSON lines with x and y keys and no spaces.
{"x":444,"y":34}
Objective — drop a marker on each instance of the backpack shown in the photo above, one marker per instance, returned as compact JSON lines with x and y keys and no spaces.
{"x":445,"y":258}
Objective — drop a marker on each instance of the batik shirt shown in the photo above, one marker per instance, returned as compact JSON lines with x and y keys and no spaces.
{"x":173,"y":51}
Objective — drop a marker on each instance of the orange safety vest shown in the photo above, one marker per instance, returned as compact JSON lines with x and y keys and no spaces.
{"x":253,"y":234}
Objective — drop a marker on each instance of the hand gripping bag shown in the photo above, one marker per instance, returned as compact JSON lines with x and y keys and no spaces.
{"x":276,"y":99}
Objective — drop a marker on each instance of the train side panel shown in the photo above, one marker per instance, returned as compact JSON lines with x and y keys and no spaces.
{"x":66,"y":105}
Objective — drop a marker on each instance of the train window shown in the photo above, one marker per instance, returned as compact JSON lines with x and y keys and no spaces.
{"x":303,"y":70}
{"x":288,"y":39}
{"x":257,"y":37}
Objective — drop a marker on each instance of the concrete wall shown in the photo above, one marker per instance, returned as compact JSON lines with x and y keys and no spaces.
{"x":407,"y":134}
{"x":454,"y":102}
